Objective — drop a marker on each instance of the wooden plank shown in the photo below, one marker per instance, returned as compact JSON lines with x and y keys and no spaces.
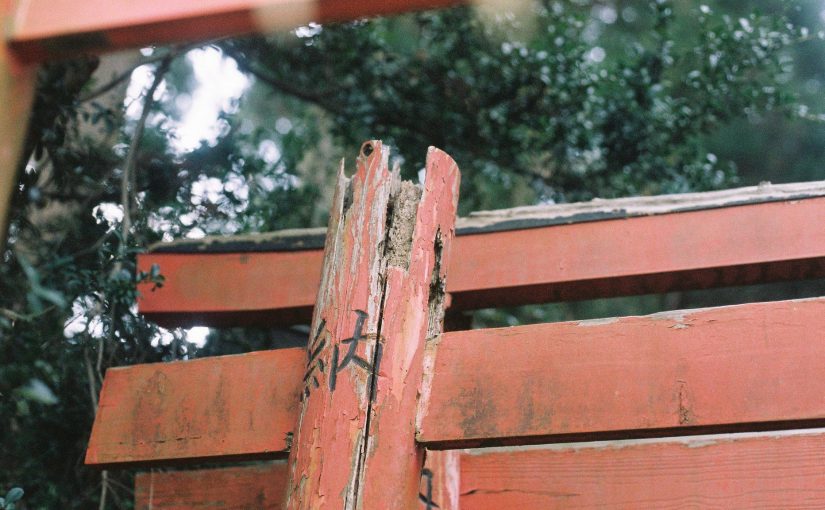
{"x":344,"y":351}
{"x":420,"y":242}
{"x":57,"y":28}
{"x":721,"y":246}
{"x":440,"y":480}
{"x":763,"y":470}
{"x":712,"y":472}
{"x":381,"y":289}
{"x":231,"y":406}
{"x":17,"y":85}
{"x":738,"y":366}
{"x":259,"y":486}
{"x":746,"y":367}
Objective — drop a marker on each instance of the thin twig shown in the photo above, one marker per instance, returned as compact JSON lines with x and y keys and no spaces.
{"x":131,"y":156}
{"x":91,"y":379}
{"x":125,"y":75}
{"x":104,"y":487}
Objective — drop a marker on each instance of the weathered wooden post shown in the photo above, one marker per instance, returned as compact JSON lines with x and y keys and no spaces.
{"x":381,"y":297}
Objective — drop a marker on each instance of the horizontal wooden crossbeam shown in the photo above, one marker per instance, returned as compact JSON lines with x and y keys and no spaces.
{"x":710,"y":473}
{"x":57,"y":28}
{"x":259,"y":486}
{"x":241,"y":406}
{"x":723,"y":471}
{"x":738,"y":368}
{"x":527,"y":255}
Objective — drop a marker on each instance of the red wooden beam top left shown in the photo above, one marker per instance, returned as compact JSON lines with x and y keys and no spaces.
{"x":45,"y":29}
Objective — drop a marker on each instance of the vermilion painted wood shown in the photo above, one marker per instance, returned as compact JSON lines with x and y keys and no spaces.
{"x":48,"y":28}
{"x":726,"y":471}
{"x":17,"y":84}
{"x":742,"y":473}
{"x":228,"y":289}
{"x":748,"y":364}
{"x":440,"y":482}
{"x":699,"y":249}
{"x":328,"y":452}
{"x":413,"y":311}
{"x":757,"y":365}
{"x":259,"y":487}
{"x":238,"y":406}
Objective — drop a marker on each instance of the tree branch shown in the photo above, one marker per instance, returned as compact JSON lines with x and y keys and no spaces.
{"x":131,"y":157}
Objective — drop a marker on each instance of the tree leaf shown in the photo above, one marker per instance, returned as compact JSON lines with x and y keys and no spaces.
{"x":37,"y":391}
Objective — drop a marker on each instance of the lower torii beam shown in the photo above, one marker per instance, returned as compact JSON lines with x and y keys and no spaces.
{"x":381,"y":297}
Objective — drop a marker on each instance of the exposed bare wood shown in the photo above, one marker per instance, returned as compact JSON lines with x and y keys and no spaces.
{"x":344,"y":348}
{"x":418,"y":251}
{"x":381,"y":296}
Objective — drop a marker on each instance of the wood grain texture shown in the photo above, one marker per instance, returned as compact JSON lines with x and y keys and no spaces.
{"x":441,"y":480}
{"x":228,"y":406}
{"x":344,"y":349}
{"x":768,"y":472}
{"x":720,"y":247}
{"x":674,"y":371}
{"x":60,"y":28}
{"x":418,"y":251}
{"x":755,"y":365}
{"x":254,"y":487}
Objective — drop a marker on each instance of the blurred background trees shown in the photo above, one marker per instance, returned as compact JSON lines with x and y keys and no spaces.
{"x":546,"y":102}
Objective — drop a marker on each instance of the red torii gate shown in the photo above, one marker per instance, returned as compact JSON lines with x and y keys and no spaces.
{"x":746,"y":368}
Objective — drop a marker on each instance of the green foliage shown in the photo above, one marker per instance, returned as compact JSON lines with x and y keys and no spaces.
{"x":531,"y":113}
{"x":9,"y":502}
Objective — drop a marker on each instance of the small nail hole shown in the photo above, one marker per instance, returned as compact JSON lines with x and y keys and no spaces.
{"x":367,"y":149}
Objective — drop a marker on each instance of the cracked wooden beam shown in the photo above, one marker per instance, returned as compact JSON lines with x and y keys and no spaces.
{"x":381,"y":296}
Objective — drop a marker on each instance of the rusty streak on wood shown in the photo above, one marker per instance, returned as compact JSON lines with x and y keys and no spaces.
{"x":708,"y":473}
{"x":259,"y":486}
{"x":378,"y":302}
{"x":716,"y":367}
{"x":231,"y":406}
{"x":735,"y":245}
{"x":59,"y":28}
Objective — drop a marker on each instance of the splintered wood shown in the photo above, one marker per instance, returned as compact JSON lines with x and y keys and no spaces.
{"x":381,"y":297}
